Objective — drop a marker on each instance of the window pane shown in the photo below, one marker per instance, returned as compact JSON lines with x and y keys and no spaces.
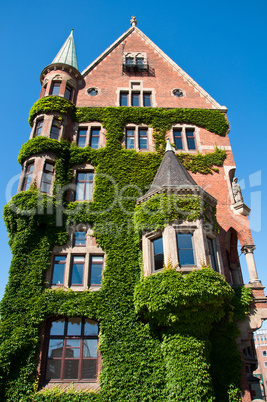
{"x":135,"y":99}
{"x":178,"y":139}
{"x":123,"y":99}
{"x":142,"y":138}
{"x":147,"y":100}
{"x":82,"y":133}
{"x":57,"y":327}
{"x":190,"y":139}
{"x":71,"y":369}
{"x":158,"y":253}
{"x":94,"y":138}
{"x":90,"y":348}
{"x":58,"y":274}
{"x":74,"y":327}
{"x":55,"y":88}
{"x":73,"y":348}
{"x":77,"y":271}
{"x":88,"y":191}
{"x":79,"y":238}
{"x":90,"y":328}
{"x":68,"y":91}
{"x":38,"y":128}
{"x":89,"y":368}
{"x":55,"y":348}
{"x":185,"y":249}
{"x":96,"y":265}
{"x":53,"y":369}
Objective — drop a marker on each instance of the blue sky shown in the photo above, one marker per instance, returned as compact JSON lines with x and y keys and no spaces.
{"x":221,"y":45}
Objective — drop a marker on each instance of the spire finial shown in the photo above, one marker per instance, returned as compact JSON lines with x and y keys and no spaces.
{"x":168,"y":146}
{"x":133,"y":21}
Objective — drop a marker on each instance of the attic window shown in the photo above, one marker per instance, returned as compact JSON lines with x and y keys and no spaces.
{"x":134,"y":61}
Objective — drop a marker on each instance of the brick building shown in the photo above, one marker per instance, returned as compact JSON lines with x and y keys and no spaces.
{"x":120,"y":111}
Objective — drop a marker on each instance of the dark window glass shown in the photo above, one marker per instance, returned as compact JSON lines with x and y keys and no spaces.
{"x":147,"y":99}
{"x":28,"y":176}
{"x":38,"y":128}
{"x":55,"y":129}
{"x":72,"y":350}
{"x":142,"y":138}
{"x":77,"y":270}
{"x":129,"y":61}
{"x":96,"y":266}
{"x":55,"y":88}
{"x":82,"y":134}
{"x":79,"y":238}
{"x":190,"y":136}
{"x":68,"y":92}
{"x":123,"y":99}
{"x":185,"y":249}
{"x":177,"y":133}
{"x":94,"y":140}
{"x":44,"y":90}
{"x":135,"y":98}
{"x":213,"y":259}
{"x":140,"y":61}
{"x":47,"y":178}
{"x":58,"y":270}
{"x":158,"y":253}
{"x":84,"y":189}
{"x":129,"y":138}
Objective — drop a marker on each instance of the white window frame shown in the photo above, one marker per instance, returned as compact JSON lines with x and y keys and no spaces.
{"x":136,"y":128}
{"x":89,"y":127}
{"x":134,"y":87}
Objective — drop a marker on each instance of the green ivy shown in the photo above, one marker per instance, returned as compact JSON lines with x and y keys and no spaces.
{"x":51,"y":104}
{"x":141,"y":338}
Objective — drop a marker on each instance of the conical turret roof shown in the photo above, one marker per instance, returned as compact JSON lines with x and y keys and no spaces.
{"x":67,"y":54}
{"x":171,"y":173}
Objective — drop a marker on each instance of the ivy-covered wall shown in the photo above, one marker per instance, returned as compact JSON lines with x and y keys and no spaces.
{"x":150,"y":348}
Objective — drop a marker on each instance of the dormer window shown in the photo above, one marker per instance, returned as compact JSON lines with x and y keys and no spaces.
{"x":134,"y":61}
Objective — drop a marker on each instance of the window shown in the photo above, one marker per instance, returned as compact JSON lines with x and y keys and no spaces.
{"x":79,"y":239}
{"x":28,"y":176}
{"x":58,"y":270}
{"x":94,"y":138}
{"x":177,"y":134}
{"x":146,"y":99}
{"x":55,"y":129}
{"x":129,"y":60}
{"x":130,"y":138}
{"x":96,"y":267}
{"x":158,"y":254}
{"x":212,"y":255}
{"x":47,"y":178}
{"x":264,"y":353}
{"x":178,"y":92}
{"x":55,"y":88}
{"x":184,"y":138}
{"x":190,"y":138}
{"x":92,"y":91}
{"x":82,"y":134}
{"x":38,"y":128}
{"x":84,"y":188}
{"x":185,"y":249}
{"x":135,"y":98}
{"x":77,"y":270}
{"x":68,"y":92}
{"x":265,"y":364}
{"x":136,"y":138}
{"x":72,"y":350}
{"x":124,"y":99}
{"x":142,"y":138}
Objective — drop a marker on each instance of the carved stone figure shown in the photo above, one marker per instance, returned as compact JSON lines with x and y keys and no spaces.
{"x":133,"y":21}
{"x":237,"y":193}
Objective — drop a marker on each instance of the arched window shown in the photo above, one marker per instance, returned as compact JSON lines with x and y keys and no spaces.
{"x":72,"y":350}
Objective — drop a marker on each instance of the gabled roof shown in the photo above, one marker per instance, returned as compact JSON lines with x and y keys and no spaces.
{"x":67,"y":54}
{"x":134,"y":28}
{"x":171,"y":173}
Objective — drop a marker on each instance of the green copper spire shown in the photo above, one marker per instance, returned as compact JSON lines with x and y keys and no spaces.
{"x":67,"y":54}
